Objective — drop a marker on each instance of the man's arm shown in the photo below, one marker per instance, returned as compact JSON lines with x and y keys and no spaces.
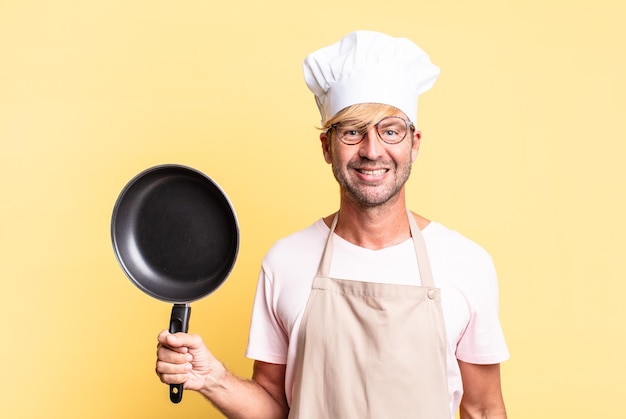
{"x":482,"y":392}
{"x":183,"y":358}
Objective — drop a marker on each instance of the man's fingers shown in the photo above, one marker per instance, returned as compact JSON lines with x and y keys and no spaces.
{"x":181,"y":341}
{"x":172,"y":341}
{"x":173,"y":355}
{"x":173,"y":378}
{"x":172,"y":366}
{"x":163,"y":367}
{"x":177,"y":354}
{"x":162,"y":337}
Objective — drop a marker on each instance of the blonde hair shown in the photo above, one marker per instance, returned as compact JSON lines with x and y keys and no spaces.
{"x":362,"y":112}
{"x":364,"y":115}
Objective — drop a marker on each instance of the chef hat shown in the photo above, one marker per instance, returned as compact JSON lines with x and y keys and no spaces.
{"x":369,"y":67}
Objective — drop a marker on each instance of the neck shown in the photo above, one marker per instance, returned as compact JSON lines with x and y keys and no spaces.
{"x":375,"y":227}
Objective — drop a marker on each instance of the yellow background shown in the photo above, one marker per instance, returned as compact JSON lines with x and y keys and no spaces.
{"x":523,"y":149}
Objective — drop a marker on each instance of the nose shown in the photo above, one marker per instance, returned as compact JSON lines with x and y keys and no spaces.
{"x":371,"y":147}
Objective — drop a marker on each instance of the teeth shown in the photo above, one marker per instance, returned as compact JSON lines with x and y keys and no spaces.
{"x":373,"y":172}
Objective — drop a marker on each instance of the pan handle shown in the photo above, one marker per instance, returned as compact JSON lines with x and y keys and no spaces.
{"x":179,"y":322}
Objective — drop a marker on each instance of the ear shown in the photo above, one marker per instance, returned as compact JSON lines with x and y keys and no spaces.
{"x":325,"y":139}
{"x":415,"y":147}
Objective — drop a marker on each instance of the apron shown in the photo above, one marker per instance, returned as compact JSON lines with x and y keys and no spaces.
{"x":370,"y":350}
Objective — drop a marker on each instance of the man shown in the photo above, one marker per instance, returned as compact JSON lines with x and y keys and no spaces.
{"x":374,"y":311}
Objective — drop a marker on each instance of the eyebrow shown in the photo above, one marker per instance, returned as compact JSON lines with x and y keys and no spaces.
{"x":352,"y":122}
{"x":361,"y":123}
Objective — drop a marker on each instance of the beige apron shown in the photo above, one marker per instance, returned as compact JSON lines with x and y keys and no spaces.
{"x":370,"y":350}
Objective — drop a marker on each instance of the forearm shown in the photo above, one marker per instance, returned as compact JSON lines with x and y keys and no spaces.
{"x":184,"y":358}
{"x":239,"y":398}
{"x":482,"y":392}
{"x":474,"y":413}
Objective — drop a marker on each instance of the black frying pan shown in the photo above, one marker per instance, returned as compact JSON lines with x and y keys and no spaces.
{"x":176,"y":236}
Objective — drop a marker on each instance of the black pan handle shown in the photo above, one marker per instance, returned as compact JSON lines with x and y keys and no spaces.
{"x":179,"y":322}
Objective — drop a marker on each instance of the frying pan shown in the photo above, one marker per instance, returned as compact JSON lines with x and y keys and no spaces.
{"x":176,"y":237}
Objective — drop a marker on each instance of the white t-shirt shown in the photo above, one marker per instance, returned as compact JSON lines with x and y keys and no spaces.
{"x":462,"y":269}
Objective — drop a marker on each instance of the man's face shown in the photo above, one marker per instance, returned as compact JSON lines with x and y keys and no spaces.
{"x":371,"y":172}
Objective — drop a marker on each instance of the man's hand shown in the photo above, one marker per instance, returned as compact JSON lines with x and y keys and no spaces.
{"x":184,"y":359}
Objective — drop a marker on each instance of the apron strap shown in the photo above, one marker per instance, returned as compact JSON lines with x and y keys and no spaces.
{"x":324,"y":268}
{"x":423,"y":264}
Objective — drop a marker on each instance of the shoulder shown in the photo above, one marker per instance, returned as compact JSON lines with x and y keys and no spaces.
{"x":451,"y":244}
{"x":306,"y":243}
{"x":460,"y":262}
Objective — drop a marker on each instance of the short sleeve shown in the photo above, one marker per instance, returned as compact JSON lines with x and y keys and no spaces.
{"x":267,"y":340}
{"x":482,"y":341}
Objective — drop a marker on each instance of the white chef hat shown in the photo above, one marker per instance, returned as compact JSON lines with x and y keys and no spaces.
{"x":369,"y":67}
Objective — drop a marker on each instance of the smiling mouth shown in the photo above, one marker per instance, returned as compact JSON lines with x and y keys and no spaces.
{"x":377,"y":172}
